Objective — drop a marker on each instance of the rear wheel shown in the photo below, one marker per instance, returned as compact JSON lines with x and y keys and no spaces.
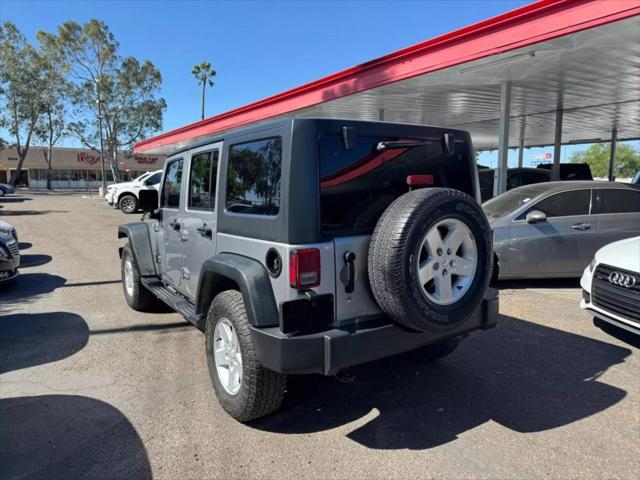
{"x":135,"y":293}
{"x":245,"y":389}
{"x":430,"y":259}
{"x":128,"y":204}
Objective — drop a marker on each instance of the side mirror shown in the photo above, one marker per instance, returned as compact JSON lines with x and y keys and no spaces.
{"x":536,"y":216}
{"x":148,"y":200}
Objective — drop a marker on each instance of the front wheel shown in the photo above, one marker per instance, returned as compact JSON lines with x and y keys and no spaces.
{"x":128,"y":204}
{"x":245,"y":389}
{"x":135,"y":293}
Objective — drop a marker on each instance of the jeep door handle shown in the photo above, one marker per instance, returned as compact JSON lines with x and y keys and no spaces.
{"x":205,"y":231}
{"x":581,"y":226}
{"x":350,"y":280}
{"x":175,"y":224}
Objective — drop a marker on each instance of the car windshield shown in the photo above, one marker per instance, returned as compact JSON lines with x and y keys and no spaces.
{"x":510,"y":201}
{"x":142,"y":177}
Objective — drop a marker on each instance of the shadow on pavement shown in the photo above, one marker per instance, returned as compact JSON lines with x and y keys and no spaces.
{"x":525,"y":376}
{"x":27,"y":261}
{"x":68,"y":436}
{"x":27,"y":288}
{"x":17,"y":213}
{"x":27,"y":340}
{"x":621,"y":334}
{"x":60,"y":436}
{"x":15,"y":199}
{"x":25,"y":245}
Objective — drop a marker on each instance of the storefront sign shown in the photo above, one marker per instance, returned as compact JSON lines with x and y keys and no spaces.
{"x":146,"y":160}
{"x":87,"y":159}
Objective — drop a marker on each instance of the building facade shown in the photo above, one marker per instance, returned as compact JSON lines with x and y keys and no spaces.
{"x":72,"y":168}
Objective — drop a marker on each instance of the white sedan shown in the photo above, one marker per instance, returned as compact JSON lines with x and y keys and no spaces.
{"x":611,"y":285}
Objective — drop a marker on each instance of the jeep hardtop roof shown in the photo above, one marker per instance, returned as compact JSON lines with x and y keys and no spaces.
{"x":322,"y":125}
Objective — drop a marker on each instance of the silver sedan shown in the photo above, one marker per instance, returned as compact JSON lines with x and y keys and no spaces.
{"x":554,"y":229}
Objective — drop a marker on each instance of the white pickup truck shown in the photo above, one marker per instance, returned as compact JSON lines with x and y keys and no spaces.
{"x":125,"y":195}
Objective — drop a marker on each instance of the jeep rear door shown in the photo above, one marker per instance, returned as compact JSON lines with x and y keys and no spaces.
{"x":169,"y":223}
{"x":199,"y":215}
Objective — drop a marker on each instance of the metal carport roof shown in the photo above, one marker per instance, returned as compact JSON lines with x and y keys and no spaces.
{"x":578,"y":57}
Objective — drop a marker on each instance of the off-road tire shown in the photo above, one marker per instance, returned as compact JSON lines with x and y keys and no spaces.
{"x":397,"y":239}
{"x":140,"y":298}
{"x":128,"y":204}
{"x":2,"y":192}
{"x":261,"y":390}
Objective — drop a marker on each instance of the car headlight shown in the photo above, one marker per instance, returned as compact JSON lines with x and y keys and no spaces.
{"x":5,"y":235}
{"x":592,"y":265}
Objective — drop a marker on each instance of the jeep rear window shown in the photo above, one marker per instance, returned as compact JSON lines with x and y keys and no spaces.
{"x":356,"y":186}
{"x":253,"y":177}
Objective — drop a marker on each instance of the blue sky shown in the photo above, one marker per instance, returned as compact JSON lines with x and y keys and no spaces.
{"x":258,"y":48}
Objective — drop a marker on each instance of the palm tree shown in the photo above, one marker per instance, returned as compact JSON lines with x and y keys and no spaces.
{"x":204,"y":74}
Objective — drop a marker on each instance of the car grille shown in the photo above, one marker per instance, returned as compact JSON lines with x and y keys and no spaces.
{"x":14,"y":249}
{"x":624,"y":301}
{"x":14,"y":234}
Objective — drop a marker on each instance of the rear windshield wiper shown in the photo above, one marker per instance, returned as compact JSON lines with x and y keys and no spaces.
{"x":389,"y":145}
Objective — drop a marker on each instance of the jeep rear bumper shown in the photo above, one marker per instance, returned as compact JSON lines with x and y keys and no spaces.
{"x":329,"y":351}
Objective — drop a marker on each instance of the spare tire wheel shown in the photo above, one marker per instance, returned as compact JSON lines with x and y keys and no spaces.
{"x":430,"y":259}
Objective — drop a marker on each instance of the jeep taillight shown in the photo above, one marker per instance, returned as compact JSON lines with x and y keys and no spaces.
{"x":304,"y":268}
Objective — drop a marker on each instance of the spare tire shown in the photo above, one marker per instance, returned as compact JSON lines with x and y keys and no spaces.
{"x":430,"y":259}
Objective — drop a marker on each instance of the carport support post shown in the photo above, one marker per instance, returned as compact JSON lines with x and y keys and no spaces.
{"x":612,"y":154}
{"x":557,"y":145}
{"x":500,"y":176}
{"x":521,"y":146}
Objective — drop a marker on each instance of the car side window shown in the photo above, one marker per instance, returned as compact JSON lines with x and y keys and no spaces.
{"x":564,"y":204}
{"x":202,"y":183}
{"x":171,"y":186}
{"x":154,"y":179}
{"x":253,"y":177}
{"x":618,"y":201}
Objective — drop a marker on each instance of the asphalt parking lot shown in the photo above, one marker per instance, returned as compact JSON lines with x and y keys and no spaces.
{"x":92,"y":389}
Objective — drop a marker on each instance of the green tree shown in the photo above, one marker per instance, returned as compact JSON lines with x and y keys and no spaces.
{"x":22,"y":73}
{"x":627,"y":161}
{"x":204,"y":75}
{"x":115,"y":99}
{"x":52,"y":126}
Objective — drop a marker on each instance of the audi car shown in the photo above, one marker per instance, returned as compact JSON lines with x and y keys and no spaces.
{"x":9,"y":252}
{"x":611,"y":285}
{"x":553,"y":229}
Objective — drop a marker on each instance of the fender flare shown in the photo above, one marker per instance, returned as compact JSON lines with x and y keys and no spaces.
{"x":140,"y":242}
{"x":222,"y":271}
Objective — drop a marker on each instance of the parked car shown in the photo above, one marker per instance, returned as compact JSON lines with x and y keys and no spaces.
{"x":9,"y":252}
{"x":553,"y":229}
{"x":611,"y":285}
{"x":6,"y":189}
{"x":311,"y":245}
{"x":636,"y":179}
{"x":516,"y":177}
{"x":125,"y":195}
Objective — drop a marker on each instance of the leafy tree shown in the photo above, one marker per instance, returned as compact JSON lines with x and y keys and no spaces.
{"x":22,"y":73}
{"x":204,"y":75}
{"x":52,"y":127}
{"x":627,"y":161}
{"x":115,"y":99}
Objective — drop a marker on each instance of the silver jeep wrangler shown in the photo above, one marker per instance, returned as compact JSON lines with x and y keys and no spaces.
{"x":311,"y":245}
